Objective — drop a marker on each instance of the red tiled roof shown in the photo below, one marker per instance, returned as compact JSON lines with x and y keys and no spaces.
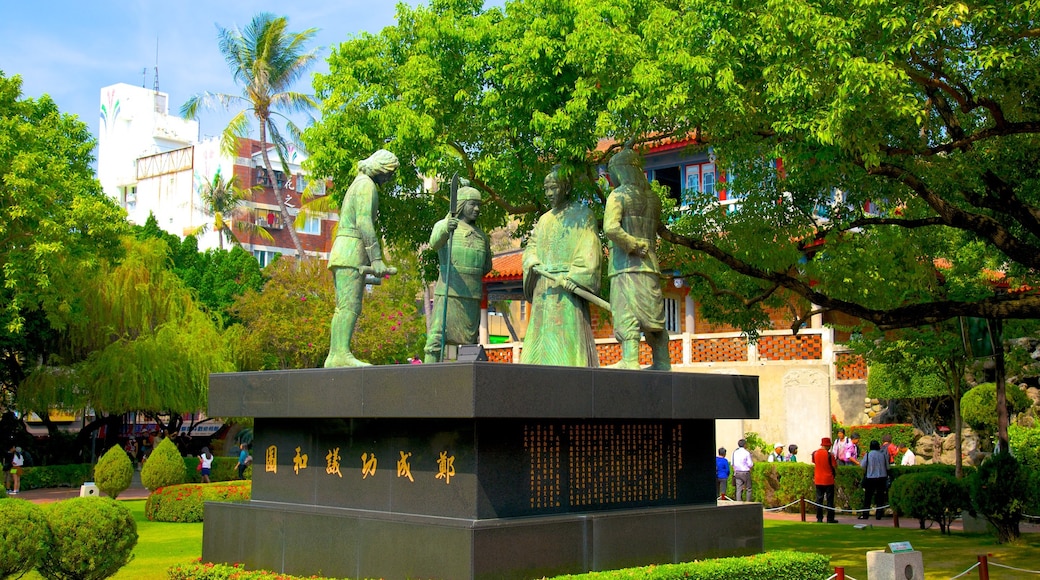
{"x":507,"y":266}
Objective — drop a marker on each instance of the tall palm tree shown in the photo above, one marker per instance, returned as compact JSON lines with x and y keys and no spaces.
{"x":220,"y":198}
{"x":265,"y":60}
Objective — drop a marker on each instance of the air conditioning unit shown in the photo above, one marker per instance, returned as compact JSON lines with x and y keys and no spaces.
{"x":88,"y":489}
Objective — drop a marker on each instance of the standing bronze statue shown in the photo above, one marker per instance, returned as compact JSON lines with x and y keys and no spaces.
{"x":630,"y":224}
{"x":357,"y":252}
{"x":561,"y":263}
{"x":459,"y":288}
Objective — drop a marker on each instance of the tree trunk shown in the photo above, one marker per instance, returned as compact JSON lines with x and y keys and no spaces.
{"x":997,"y":330}
{"x":278,"y":195}
{"x":958,"y":425}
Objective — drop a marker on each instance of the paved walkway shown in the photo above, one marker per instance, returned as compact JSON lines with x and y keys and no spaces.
{"x":52,"y":494}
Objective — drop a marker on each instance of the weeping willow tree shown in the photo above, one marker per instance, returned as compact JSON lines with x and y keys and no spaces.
{"x":136,"y":341}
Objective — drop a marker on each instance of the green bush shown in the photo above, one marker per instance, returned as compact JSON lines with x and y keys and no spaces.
{"x":979,"y":406}
{"x":778,"y":484}
{"x":73,"y":475}
{"x":114,"y":472}
{"x":936,"y":496}
{"x":24,"y":536}
{"x":91,"y":538}
{"x":767,"y":566}
{"x":222,"y":469}
{"x":184,"y":503}
{"x":999,"y":490}
{"x":164,"y":466}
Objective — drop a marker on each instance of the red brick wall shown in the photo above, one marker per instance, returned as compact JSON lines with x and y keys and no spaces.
{"x":502,"y":355}
{"x":850,"y":367}
{"x":718,"y":349}
{"x":789,"y":347}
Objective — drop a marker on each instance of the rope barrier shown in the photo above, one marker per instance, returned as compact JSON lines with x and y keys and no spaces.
{"x":842,"y":510}
{"x":832,"y":577}
{"x":992,"y":563}
{"x":781,"y":507}
{"x":973,"y":566}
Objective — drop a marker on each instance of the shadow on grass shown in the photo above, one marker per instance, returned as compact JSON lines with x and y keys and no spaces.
{"x":944,"y":556}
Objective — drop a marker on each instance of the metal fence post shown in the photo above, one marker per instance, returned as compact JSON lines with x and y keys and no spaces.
{"x":983,"y":567}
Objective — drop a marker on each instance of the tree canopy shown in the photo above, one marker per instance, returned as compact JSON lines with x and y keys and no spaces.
{"x":908,"y":135}
{"x":55,"y":222}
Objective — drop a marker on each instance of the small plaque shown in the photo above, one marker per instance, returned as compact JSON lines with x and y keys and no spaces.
{"x":897,"y":547}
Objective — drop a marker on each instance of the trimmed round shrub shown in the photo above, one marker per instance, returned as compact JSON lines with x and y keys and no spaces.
{"x":114,"y":472}
{"x":91,"y":538}
{"x":24,"y":536}
{"x":164,"y":466}
{"x":999,"y":492}
{"x":936,"y":496}
{"x":979,"y":406}
{"x":184,"y":503}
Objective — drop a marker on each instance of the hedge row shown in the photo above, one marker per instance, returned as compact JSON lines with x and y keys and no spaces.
{"x":778,"y":484}
{"x":184,"y":503}
{"x":767,"y":566}
{"x":73,"y":475}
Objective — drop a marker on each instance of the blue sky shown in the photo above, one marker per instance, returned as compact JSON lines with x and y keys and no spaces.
{"x":70,"y":50}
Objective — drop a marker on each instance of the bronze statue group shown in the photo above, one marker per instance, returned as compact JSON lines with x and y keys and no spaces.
{"x":561,"y":266}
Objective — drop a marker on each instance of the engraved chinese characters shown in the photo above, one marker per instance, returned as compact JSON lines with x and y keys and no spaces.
{"x":366,"y":467}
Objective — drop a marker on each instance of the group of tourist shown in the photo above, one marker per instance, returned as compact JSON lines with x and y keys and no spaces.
{"x":841,"y":451}
{"x":875,"y":463}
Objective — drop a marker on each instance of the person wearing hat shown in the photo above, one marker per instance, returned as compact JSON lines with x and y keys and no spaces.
{"x":562,"y":255}
{"x":357,"y":252}
{"x":825,"y":469}
{"x":777,"y":454}
{"x":459,"y":288}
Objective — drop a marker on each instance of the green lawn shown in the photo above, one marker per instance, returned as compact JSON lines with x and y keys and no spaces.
{"x":162,"y":545}
{"x":944,"y":556}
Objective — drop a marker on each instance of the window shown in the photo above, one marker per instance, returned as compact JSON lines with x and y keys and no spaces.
{"x":671,"y":316}
{"x":523,"y":309}
{"x":700,"y":179}
{"x":312,"y":225}
{"x":265,"y":257}
{"x":262,"y":179}
{"x":271,"y":220}
{"x":129,"y":194}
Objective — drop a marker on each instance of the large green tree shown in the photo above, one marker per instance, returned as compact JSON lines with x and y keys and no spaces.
{"x":139,"y":343}
{"x":55,"y":222}
{"x":908,"y":134}
{"x":266,"y":60}
{"x":911,"y":125}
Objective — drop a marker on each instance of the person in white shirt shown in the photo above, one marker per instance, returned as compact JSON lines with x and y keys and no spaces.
{"x":742,"y":464}
{"x":838,"y":449}
{"x":777,"y":454}
{"x":908,"y":456}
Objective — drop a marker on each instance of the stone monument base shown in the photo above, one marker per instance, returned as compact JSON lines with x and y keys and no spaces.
{"x":479,"y":470}
{"x":357,"y":544}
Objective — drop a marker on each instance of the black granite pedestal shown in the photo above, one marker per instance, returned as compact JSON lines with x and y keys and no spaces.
{"x":479,"y":470}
